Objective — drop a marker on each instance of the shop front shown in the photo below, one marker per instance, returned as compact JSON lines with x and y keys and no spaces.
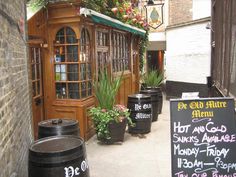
{"x":69,"y":46}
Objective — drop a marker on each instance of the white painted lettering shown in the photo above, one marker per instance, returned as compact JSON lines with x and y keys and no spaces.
{"x":69,"y":171}
{"x":184,"y":139}
{"x":226,"y":166}
{"x":137,"y":107}
{"x":147,"y":106}
{"x":186,"y":151}
{"x":143,"y":116}
{"x":181,"y":128}
{"x":199,"y":129}
{"x":212,"y":129}
{"x":213,"y":151}
{"x":181,"y":174}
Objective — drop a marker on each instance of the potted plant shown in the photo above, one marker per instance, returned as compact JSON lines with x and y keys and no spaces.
{"x":152,"y":79}
{"x":110,"y":120}
{"x":151,"y":82}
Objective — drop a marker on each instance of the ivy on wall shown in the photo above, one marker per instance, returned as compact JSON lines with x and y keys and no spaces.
{"x":125,"y":12}
{"x":142,"y":50}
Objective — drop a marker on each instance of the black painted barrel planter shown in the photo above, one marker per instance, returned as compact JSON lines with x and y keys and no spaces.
{"x":58,"y":156}
{"x":160,"y":99}
{"x":140,"y":113}
{"x":53,"y":127}
{"x":160,"y":96}
{"x":154,"y":101}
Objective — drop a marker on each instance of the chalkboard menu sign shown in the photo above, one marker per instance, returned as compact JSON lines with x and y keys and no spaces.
{"x":203,"y":137}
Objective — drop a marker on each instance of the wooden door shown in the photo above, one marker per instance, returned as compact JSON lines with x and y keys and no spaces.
{"x":135,"y":66}
{"x":152,"y":59}
{"x":155,"y":60}
{"x":35,"y":58}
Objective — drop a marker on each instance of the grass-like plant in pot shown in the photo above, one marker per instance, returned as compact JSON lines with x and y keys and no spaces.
{"x":152,"y":80}
{"x":110,"y":120}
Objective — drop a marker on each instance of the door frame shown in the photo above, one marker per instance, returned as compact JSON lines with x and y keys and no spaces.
{"x":37,"y":43}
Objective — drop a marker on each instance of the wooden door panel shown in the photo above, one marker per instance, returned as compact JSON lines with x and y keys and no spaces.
{"x":35,"y":59}
{"x":135,"y":66}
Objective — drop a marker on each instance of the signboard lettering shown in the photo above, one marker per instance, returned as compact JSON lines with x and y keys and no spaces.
{"x":75,"y":171}
{"x":203,"y":137}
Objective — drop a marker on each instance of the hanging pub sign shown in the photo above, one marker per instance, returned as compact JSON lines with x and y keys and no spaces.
{"x":203,"y":137}
{"x":154,"y":15}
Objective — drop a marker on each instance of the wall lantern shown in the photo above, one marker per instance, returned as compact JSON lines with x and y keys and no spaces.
{"x":154,"y":13}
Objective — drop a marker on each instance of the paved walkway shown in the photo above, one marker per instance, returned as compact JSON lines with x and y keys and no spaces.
{"x":147,"y":156}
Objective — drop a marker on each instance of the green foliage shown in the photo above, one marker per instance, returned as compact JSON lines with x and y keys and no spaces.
{"x":111,"y":4}
{"x":142,"y":50}
{"x":152,"y":78}
{"x":97,"y":5}
{"x":34,"y":4}
{"x":105,"y":89}
{"x":122,"y":10}
{"x":102,"y":118}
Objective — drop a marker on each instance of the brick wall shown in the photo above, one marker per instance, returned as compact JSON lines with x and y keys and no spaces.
{"x":180,"y":11}
{"x":15,"y":109}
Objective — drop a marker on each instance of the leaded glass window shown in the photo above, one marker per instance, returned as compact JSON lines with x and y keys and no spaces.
{"x":72,"y":65}
{"x":120,"y":50}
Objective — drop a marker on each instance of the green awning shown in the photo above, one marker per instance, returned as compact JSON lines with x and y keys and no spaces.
{"x":103,"y":19}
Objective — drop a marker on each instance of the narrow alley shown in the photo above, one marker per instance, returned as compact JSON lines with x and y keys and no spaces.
{"x":147,"y":156}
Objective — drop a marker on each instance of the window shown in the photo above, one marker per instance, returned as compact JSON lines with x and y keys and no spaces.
{"x":223,"y":46}
{"x":72,"y":65}
{"x":120,"y":60}
{"x":102,"y":41}
{"x":232,"y":88}
{"x":35,"y":59}
{"x":85,"y":66}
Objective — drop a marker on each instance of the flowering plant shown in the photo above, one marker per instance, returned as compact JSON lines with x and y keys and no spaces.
{"x":124,"y":11}
{"x":106,"y":88}
{"x":129,"y":14}
{"x":102,"y":117}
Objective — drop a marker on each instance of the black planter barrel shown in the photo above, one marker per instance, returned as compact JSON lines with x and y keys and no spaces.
{"x":58,"y":156}
{"x":53,"y":127}
{"x":160,"y":99}
{"x":160,"y":96}
{"x":140,"y":113}
{"x":154,"y":101}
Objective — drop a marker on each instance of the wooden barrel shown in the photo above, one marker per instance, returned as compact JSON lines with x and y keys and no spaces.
{"x":154,"y":101}
{"x":140,"y":113}
{"x":53,"y":127}
{"x":58,"y":156}
{"x":160,"y":96}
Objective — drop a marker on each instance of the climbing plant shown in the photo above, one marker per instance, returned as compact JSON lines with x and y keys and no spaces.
{"x":142,"y":50}
{"x":121,"y":10}
{"x":97,"y":5}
